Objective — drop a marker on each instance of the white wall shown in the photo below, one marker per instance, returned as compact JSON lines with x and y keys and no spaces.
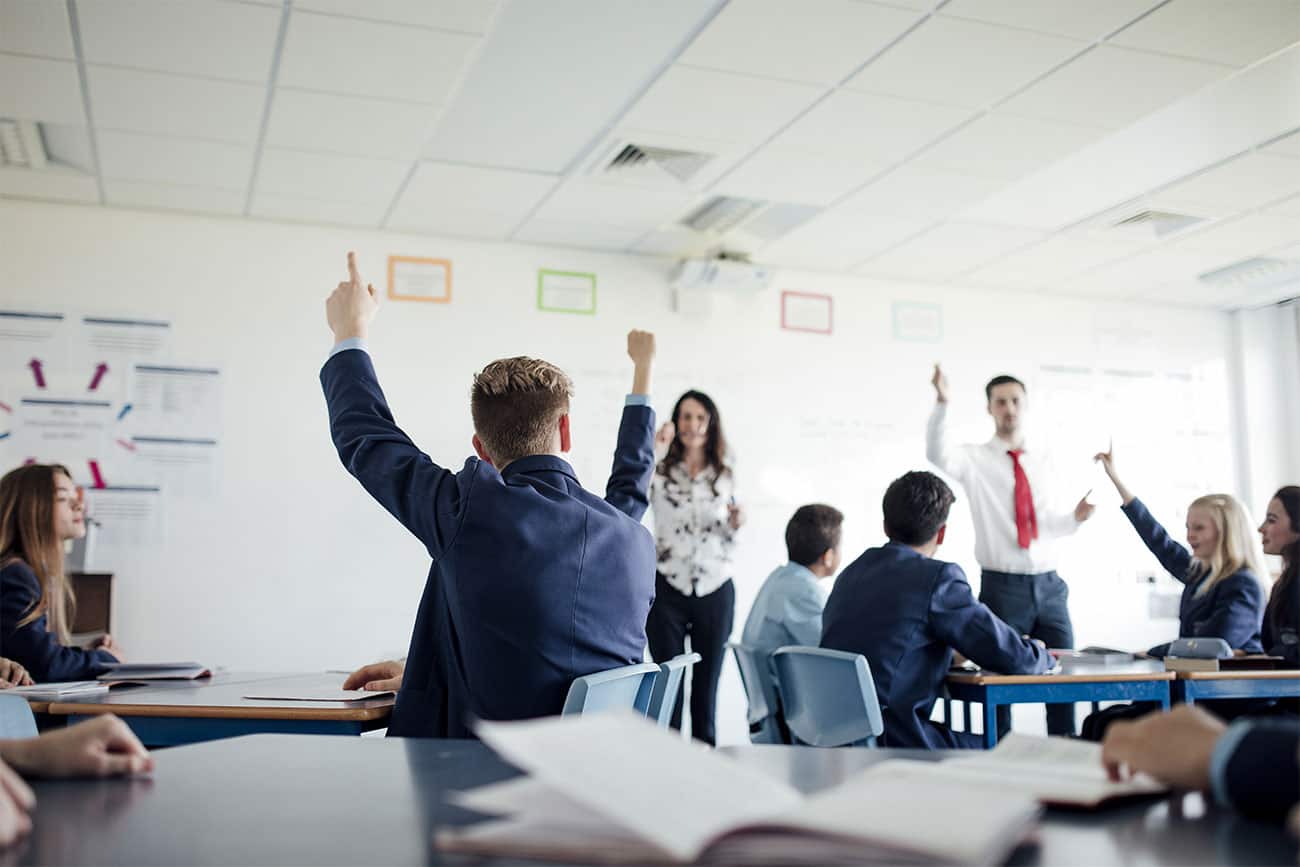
{"x":1268,"y":371}
{"x":292,"y":567}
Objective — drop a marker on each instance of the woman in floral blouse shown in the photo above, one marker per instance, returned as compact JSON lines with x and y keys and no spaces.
{"x":696,"y":519}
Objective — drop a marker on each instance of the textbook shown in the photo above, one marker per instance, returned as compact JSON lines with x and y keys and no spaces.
{"x":1253,"y":662}
{"x":155,"y":671}
{"x":1092,"y":656}
{"x":56,"y":691}
{"x":613,"y":788}
{"x":323,"y":695}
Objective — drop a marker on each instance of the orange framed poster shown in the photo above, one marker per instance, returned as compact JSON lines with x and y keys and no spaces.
{"x":414,"y":278}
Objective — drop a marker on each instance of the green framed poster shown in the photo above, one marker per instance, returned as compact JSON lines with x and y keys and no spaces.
{"x":566,"y":292}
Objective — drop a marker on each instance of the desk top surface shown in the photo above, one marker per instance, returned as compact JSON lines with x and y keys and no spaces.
{"x":1269,"y":674}
{"x":222,"y":697}
{"x":1139,"y":670}
{"x":302,"y":799}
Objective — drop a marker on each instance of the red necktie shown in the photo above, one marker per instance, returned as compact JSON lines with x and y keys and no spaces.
{"x":1026,"y":520}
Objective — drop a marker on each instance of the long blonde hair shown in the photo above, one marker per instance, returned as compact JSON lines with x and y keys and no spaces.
{"x":27,"y":534}
{"x":1239,"y":547}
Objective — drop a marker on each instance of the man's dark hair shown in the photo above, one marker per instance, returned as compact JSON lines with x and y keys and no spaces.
{"x":916,"y":506}
{"x":812,"y":531}
{"x":1004,"y":379}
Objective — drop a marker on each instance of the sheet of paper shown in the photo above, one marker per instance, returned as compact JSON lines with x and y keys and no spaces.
{"x":28,"y":334}
{"x":128,"y":515}
{"x":174,"y":401}
{"x":665,"y":790}
{"x":321,"y":695}
{"x":118,"y":338}
{"x":182,"y":466}
{"x":61,"y":428}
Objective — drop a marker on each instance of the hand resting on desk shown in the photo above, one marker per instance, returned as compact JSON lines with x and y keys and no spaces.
{"x":13,"y":674}
{"x":1173,"y":747}
{"x":378,"y":676}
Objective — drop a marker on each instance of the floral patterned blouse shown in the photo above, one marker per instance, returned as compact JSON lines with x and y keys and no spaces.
{"x":696,"y":544}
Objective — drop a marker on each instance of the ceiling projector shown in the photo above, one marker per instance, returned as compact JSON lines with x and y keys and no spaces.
{"x":720,"y":273}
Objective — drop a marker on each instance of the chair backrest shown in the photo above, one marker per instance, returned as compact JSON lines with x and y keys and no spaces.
{"x":761,"y":690}
{"x":668,"y":687}
{"x":628,"y":687}
{"x":828,"y":696}
{"x":16,"y":720}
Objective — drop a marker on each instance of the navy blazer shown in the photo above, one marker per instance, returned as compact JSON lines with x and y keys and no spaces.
{"x":32,"y":645}
{"x":1232,"y":609}
{"x":1262,"y":774}
{"x":535,"y":581}
{"x":905,"y":613}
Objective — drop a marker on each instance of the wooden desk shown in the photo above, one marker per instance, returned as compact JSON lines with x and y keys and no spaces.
{"x":166,"y":713}
{"x":1138,"y":681}
{"x":1193,"y":686}
{"x":345,"y":801}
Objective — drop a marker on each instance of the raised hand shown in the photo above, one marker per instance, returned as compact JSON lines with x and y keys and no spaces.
{"x":641,"y":349}
{"x":1107,"y":461}
{"x":665,"y":435}
{"x":940,"y":383}
{"x":1083,"y":511}
{"x":735,"y":515}
{"x":351,"y":305}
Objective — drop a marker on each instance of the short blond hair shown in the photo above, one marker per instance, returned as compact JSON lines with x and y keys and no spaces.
{"x":516,"y":403}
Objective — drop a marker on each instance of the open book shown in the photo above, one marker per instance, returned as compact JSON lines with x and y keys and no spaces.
{"x":155,"y":671}
{"x":56,"y":691}
{"x":616,"y":789}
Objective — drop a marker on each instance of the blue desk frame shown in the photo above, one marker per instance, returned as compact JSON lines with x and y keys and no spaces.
{"x":166,"y":731}
{"x":1048,"y":689}
{"x":1190,"y":691}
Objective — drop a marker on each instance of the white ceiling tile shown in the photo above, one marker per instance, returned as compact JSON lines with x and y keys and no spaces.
{"x":1089,"y":21}
{"x":328,"y":177}
{"x":132,"y":157}
{"x":355,"y":125}
{"x":308,"y":210}
{"x":913,"y":192}
{"x":588,"y":236}
{"x":875,"y":128}
{"x":167,"y":197}
{"x":1112,"y":87}
{"x":719,"y":105}
{"x":1251,"y":235}
{"x":934,"y":63}
{"x":1047,"y":263}
{"x":1287,"y":208}
{"x":837,"y":240}
{"x":60,"y":186}
{"x":1224,"y":31}
{"x":1242,"y":184}
{"x":675,"y":241}
{"x":1150,"y":268}
{"x":40,"y":89}
{"x":159,"y":104}
{"x":817,"y":41}
{"x":1287,"y":147}
{"x":322,"y":52}
{"x":781,"y":173}
{"x":36,"y":27}
{"x":948,"y":250}
{"x":1006,"y":146}
{"x":439,"y":193}
{"x":615,"y":205}
{"x":460,"y":223}
{"x":465,"y":16}
{"x":189,"y":37}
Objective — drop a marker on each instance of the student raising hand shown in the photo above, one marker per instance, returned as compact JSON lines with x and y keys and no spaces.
{"x":351,"y":305}
{"x":940,"y":383}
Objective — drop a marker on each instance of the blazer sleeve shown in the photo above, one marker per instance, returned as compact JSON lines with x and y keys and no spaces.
{"x":1261,"y":776}
{"x":1174,"y":557}
{"x":1237,"y":614}
{"x":423,"y":496}
{"x":963,"y":622}
{"x":628,"y":489}
{"x":32,"y":645}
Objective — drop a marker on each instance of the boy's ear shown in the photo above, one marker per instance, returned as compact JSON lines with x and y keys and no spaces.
{"x":566,"y":438}
{"x":938,"y":540}
{"x":481,"y":451}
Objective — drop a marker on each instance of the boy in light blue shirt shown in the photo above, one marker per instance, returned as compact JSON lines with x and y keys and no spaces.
{"x":788,"y":608}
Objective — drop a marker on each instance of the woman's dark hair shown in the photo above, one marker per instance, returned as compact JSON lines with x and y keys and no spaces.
{"x":812,"y":531}
{"x":916,"y":505}
{"x":1286,"y":591}
{"x":715,"y":446}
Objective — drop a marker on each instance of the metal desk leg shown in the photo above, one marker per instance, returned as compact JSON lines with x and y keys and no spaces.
{"x":990,"y":723}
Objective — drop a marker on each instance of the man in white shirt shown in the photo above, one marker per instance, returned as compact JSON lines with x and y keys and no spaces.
{"x":1017,"y":520}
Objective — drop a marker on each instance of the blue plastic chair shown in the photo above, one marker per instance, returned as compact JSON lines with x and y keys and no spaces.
{"x":16,"y":719}
{"x":668,"y":686}
{"x":629,"y":687}
{"x":828,"y":697}
{"x":761,"y":690}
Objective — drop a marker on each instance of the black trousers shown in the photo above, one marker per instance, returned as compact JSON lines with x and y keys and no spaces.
{"x":1037,"y":606}
{"x":708,"y":620}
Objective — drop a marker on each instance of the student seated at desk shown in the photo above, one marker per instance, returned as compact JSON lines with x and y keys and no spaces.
{"x":40,"y":510}
{"x":1280,"y":536}
{"x":1252,"y":766}
{"x":535,"y":581}
{"x":101,"y":747}
{"x":788,"y":608}
{"x":906,"y":611}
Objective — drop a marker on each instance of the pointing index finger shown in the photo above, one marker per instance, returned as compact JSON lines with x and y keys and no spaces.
{"x":353,"y":273}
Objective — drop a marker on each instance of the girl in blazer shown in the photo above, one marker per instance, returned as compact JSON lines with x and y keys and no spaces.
{"x":40,"y":510}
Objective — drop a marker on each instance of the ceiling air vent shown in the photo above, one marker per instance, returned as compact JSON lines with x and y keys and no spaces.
{"x":1156,"y":224}
{"x":757,"y":220}
{"x":21,"y":145}
{"x":649,"y":163}
{"x":1258,"y":273}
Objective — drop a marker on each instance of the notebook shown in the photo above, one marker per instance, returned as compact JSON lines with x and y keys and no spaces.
{"x":1252,"y":662}
{"x":155,"y":671}
{"x":614,"y":788}
{"x":321,"y":695}
{"x":56,"y":691}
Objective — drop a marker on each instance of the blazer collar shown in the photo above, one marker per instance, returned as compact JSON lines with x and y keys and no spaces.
{"x":534,"y":464}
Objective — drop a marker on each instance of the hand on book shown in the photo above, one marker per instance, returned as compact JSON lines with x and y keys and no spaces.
{"x":13,"y":674}
{"x":101,"y":747}
{"x":1173,"y":747}
{"x":377,"y":677}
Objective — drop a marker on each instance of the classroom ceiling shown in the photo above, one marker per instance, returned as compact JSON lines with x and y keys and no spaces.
{"x":1109,"y":148}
